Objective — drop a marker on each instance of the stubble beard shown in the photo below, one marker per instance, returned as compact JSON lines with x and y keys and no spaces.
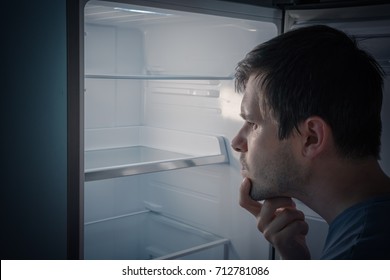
{"x":280,"y":177}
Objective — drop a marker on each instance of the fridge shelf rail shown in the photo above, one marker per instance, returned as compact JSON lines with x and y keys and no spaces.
{"x":157,"y":77}
{"x":156,"y":150}
{"x":149,"y":167}
{"x":224,"y":241}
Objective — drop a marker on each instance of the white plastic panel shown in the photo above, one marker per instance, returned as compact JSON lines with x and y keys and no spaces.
{"x":112,"y":50}
{"x":112,"y":103}
{"x":112,"y":106}
{"x":191,"y":195}
{"x":209,"y":48}
{"x":100,"y":45}
{"x":99,"y":103}
{"x":194,"y":144}
{"x":111,"y":198}
{"x":106,"y":138}
{"x":180,"y":142}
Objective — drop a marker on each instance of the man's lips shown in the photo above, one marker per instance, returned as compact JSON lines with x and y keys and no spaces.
{"x":244,"y":168}
{"x":244,"y":173}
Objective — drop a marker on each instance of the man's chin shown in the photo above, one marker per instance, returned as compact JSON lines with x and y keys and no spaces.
{"x":261,"y":193}
{"x":256,"y":195}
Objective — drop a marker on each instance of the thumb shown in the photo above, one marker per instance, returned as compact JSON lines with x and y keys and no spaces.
{"x":246,"y":201}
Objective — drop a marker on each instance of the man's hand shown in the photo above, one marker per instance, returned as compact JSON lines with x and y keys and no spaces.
{"x":281,"y":223}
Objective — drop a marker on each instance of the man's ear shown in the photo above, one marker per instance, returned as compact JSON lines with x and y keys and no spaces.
{"x":315,"y":134}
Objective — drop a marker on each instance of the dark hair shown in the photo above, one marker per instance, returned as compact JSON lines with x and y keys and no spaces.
{"x":320,"y":71}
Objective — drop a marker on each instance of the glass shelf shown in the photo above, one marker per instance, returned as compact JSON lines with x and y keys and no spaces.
{"x":161,"y":150}
{"x":148,"y":235}
{"x":119,"y":162}
{"x":101,"y":159}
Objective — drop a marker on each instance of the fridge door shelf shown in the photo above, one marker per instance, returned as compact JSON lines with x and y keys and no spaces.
{"x":156,"y":150}
{"x":148,"y":235}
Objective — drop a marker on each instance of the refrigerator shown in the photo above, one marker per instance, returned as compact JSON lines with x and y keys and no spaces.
{"x":159,"y":110}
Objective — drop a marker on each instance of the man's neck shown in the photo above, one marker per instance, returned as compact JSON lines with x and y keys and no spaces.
{"x":340,"y":185}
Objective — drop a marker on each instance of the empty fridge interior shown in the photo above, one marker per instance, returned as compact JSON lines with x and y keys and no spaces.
{"x":159,"y":96}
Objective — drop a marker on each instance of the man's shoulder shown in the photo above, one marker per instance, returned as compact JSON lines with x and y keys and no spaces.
{"x":360,"y":231}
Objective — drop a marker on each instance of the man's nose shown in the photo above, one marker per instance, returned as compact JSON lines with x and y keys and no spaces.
{"x":239,"y":143}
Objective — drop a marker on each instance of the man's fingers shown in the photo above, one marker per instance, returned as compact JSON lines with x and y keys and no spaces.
{"x":246,"y":201}
{"x":270,"y":209}
{"x":281,"y":223}
{"x":284,"y":218}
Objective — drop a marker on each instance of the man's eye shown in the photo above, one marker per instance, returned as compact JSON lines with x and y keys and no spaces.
{"x":252,"y":124}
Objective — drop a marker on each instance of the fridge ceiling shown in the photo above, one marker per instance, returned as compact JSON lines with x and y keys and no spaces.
{"x":125,"y":15}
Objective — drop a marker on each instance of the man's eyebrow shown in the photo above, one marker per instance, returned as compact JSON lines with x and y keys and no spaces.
{"x":246,"y":116}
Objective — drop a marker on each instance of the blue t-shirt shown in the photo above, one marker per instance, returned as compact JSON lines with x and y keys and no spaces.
{"x":360,"y":232}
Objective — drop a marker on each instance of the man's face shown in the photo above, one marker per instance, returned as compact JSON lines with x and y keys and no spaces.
{"x":267,"y":161}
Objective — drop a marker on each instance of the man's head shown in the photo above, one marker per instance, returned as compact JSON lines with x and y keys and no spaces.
{"x":319,"y":71}
{"x":316,"y":78}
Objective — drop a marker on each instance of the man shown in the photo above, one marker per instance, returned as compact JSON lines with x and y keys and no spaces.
{"x":311,"y":106}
